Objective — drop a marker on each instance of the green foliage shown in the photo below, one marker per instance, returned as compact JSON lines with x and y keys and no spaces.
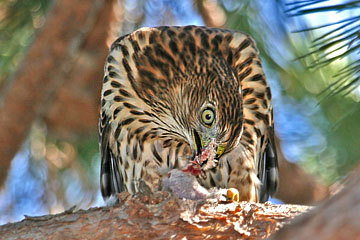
{"x":339,"y":39}
{"x":88,"y":151}
{"x":301,"y":6}
{"x":334,"y":58}
{"x":314,"y":73}
{"x":18,"y":23}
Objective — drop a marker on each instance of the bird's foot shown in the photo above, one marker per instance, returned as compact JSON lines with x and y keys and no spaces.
{"x":233,"y":195}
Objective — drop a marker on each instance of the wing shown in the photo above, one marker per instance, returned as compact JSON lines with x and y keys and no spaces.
{"x":258,"y":130}
{"x":110,"y":176}
{"x":268,"y":172}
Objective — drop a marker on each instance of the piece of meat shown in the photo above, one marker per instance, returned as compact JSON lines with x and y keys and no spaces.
{"x":206,"y":160}
{"x":186,"y":186}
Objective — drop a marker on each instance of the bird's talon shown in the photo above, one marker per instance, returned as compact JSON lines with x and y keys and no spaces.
{"x":232,"y":195}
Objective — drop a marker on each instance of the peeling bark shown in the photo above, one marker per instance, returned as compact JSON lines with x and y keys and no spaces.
{"x":163,"y":216}
{"x":158,"y":216}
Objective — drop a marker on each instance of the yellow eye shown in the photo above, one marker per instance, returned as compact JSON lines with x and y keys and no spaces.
{"x":208,"y":117}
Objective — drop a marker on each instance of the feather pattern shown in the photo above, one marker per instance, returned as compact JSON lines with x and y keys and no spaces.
{"x":158,"y":82}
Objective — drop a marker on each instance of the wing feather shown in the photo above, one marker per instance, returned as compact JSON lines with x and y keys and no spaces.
{"x":110,"y":176}
{"x":268,"y":169}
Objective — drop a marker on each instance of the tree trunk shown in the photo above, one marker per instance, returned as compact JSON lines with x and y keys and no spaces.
{"x":335,"y":219}
{"x":296,"y":185}
{"x":72,"y":29}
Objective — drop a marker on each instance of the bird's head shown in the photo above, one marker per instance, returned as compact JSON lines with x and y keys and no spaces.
{"x":207,"y":143}
{"x":214,"y":111}
{"x":192,"y":91}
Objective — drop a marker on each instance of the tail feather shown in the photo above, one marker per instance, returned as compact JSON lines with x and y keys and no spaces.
{"x":110,"y":175}
{"x":268,"y":170}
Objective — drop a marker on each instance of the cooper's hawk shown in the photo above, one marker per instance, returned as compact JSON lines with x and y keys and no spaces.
{"x":191,"y":98}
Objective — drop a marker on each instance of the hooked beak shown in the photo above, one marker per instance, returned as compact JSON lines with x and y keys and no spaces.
{"x":198,"y":142}
{"x":207,"y":156}
{"x":200,"y":147}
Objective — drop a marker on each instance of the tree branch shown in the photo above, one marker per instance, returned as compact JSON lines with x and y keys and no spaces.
{"x":296,"y":185}
{"x":158,"y":216}
{"x":336,"y":218}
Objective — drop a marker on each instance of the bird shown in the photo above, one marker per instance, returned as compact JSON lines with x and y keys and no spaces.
{"x":191,"y":98}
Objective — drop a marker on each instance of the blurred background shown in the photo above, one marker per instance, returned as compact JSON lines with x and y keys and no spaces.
{"x":52,"y":55}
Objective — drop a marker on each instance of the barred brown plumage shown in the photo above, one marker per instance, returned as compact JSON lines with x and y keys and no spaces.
{"x":169,"y":92}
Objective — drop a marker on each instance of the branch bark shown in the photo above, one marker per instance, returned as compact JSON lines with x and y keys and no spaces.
{"x":212,"y":14}
{"x":162,"y":215}
{"x":49,"y":64}
{"x":158,"y":216}
{"x":335,"y":219}
{"x":296,"y":185}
